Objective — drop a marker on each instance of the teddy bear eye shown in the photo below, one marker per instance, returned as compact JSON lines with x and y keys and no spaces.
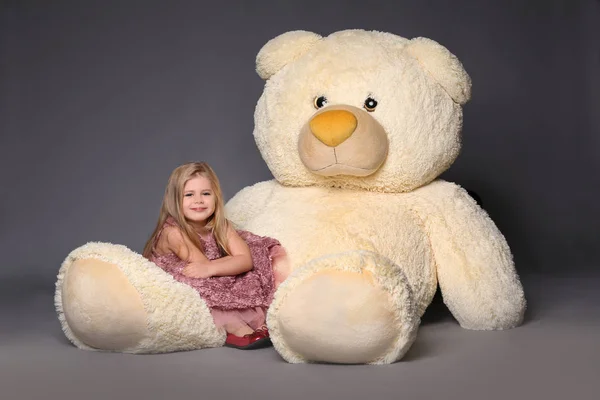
{"x":320,"y":101}
{"x":370,"y":104}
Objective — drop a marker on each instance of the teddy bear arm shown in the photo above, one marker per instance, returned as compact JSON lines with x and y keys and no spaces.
{"x":474,"y":263}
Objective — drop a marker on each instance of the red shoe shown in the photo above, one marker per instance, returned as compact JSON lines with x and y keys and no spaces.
{"x":263,"y":330}
{"x":251,"y":341}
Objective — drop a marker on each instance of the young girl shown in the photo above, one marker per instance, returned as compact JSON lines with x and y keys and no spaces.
{"x":235,"y":272}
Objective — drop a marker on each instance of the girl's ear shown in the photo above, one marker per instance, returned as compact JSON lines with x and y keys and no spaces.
{"x":282,"y":50}
{"x":443,"y":66}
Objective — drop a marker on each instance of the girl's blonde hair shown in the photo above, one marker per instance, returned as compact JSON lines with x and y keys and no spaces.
{"x":217,"y":224}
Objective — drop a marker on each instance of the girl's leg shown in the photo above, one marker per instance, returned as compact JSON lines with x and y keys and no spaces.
{"x":281,"y":265}
{"x":231,"y":321}
{"x":239,"y":330}
{"x":256,"y":317}
{"x":257,"y":320}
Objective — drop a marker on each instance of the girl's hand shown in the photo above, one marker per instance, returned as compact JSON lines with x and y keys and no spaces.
{"x":198,"y":270}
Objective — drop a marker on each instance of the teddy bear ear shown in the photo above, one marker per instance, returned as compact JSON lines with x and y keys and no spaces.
{"x":282,"y":50}
{"x":443,"y":66}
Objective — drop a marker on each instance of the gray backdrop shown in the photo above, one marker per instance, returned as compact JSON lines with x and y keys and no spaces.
{"x":100,"y":100}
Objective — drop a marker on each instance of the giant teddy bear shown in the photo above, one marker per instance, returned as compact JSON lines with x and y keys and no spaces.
{"x":356,"y":127}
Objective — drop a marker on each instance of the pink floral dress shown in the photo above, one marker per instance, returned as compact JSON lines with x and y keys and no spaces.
{"x":233,"y":300}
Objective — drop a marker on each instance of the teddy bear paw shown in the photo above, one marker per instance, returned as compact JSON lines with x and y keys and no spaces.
{"x":350,"y":308}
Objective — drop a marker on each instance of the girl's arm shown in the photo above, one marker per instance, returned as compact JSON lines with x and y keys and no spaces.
{"x":179,"y":244}
{"x":238,"y":262}
{"x":199,"y":266}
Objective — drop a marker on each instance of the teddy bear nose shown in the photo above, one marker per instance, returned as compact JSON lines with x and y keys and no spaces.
{"x":333,"y":127}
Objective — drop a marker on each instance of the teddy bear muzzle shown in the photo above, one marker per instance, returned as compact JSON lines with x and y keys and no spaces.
{"x":343,"y":140}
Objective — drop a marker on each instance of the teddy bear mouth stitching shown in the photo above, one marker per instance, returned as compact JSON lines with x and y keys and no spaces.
{"x":342,"y":140}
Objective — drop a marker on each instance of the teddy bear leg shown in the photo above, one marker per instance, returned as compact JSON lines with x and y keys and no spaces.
{"x":110,"y":298}
{"x":351,"y":308}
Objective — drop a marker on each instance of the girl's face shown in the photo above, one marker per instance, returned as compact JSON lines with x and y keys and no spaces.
{"x":198,"y":200}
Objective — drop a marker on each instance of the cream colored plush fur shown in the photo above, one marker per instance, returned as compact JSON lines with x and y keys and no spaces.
{"x":369,"y":229}
{"x":111,"y":298}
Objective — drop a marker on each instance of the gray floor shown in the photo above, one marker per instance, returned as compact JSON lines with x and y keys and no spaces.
{"x":554,"y":355}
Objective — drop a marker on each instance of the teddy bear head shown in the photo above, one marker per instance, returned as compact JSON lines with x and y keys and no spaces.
{"x":359,"y":109}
